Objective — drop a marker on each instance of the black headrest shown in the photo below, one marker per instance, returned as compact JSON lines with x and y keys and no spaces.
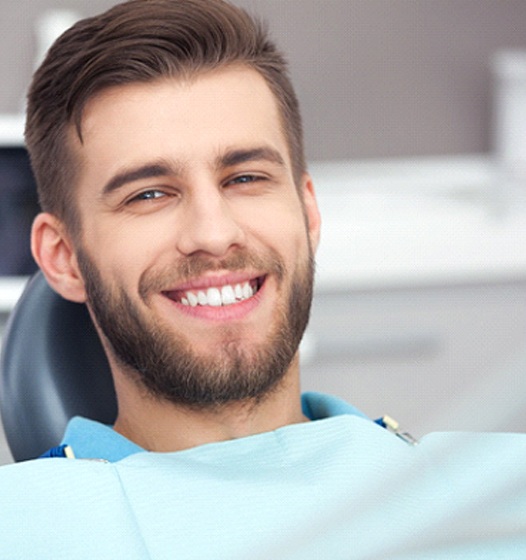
{"x":52,"y":367}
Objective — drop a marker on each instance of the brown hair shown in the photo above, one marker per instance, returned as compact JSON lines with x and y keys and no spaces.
{"x":141,"y":41}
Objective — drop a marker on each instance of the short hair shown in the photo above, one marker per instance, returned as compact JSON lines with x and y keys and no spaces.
{"x":142,"y":41}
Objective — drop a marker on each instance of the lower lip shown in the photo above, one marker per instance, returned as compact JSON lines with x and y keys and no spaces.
{"x":234,"y":312}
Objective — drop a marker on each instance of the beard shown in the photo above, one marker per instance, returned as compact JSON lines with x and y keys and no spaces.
{"x":165,"y":363}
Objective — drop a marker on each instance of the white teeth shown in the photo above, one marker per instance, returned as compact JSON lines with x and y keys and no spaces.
{"x":247,"y":290}
{"x":226,"y":295}
{"x":214,"y":297}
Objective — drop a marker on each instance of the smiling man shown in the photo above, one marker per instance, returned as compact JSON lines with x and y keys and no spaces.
{"x":193,"y":251}
{"x":166,"y":141}
{"x":185,"y":218}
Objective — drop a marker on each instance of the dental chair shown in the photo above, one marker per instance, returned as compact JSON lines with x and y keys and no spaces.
{"x":52,"y":367}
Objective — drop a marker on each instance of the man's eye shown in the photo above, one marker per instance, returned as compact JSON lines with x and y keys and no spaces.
{"x":245,"y":179}
{"x":148,"y":195}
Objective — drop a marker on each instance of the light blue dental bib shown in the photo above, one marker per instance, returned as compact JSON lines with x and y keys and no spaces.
{"x":336,"y":488}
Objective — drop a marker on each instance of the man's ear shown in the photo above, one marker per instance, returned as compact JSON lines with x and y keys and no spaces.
{"x":54,"y":253}
{"x":312,"y":213}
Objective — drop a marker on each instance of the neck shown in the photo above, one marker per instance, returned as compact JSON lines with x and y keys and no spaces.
{"x":157,"y":425}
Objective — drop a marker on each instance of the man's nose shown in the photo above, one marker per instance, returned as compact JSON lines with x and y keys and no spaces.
{"x":209,"y":224}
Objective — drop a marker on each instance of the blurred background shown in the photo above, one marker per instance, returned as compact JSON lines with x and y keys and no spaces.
{"x":415,"y":121}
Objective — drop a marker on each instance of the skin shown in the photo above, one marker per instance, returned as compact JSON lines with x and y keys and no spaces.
{"x":203,"y":204}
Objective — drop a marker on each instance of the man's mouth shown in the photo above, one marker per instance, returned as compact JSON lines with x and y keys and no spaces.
{"x":218,"y":296}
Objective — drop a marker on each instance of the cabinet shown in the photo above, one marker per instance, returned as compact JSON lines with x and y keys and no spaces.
{"x":435,"y":358}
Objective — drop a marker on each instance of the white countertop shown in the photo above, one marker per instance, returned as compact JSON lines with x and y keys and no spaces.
{"x":440,"y":221}
{"x":11,"y":130}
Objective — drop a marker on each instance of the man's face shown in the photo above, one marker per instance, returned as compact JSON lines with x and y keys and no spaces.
{"x":196,"y":249}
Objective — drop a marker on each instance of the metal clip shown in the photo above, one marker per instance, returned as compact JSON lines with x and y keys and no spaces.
{"x":391,"y":425}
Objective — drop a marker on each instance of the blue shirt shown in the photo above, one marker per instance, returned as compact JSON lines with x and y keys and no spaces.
{"x":92,"y":440}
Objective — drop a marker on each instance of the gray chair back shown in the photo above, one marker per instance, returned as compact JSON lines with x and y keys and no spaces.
{"x":52,"y":368}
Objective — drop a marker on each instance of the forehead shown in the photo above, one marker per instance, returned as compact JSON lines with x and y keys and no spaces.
{"x":184,"y":119}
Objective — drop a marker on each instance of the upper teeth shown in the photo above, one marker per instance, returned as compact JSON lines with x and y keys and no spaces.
{"x":215,"y":297}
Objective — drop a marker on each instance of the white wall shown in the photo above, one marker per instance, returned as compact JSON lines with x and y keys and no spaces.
{"x":377,"y":78}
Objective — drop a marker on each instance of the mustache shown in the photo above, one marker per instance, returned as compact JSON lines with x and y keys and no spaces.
{"x":193,"y":266}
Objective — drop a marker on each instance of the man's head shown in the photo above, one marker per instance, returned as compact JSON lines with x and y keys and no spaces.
{"x":194,"y":223}
{"x":141,"y":41}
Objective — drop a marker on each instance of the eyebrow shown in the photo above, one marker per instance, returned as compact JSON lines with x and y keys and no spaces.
{"x":263,"y":153}
{"x":230,"y":158}
{"x":147,"y":171}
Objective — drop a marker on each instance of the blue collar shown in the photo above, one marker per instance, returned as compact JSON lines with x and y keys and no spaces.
{"x":317,"y":406}
{"x":90,"y":439}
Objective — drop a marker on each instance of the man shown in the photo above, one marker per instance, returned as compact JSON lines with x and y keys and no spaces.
{"x":188,"y":227}
{"x":166,"y":143}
